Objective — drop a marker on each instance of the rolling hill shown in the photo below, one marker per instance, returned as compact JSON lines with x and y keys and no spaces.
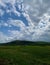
{"x":18,"y":42}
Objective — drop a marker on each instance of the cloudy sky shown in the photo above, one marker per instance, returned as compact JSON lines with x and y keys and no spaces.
{"x":24,"y":20}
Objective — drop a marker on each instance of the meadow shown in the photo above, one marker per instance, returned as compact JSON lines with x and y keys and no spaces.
{"x":24,"y":55}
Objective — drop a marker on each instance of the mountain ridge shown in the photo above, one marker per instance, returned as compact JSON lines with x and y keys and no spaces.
{"x":20,"y":42}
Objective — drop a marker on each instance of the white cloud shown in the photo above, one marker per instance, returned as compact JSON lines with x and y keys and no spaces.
{"x":9,"y":1}
{"x":3,"y":37}
{"x":2,"y":3}
{"x":18,"y":23}
{"x":5,"y":24}
{"x":1,"y":12}
{"x":42,"y":26}
{"x":34,"y":33}
{"x":30,"y":10}
{"x":12,"y":2}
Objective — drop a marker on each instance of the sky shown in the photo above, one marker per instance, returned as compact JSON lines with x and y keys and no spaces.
{"x":24,"y":20}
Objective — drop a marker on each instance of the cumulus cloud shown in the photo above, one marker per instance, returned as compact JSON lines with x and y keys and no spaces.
{"x":4,"y":38}
{"x":35,"y":12}
{"x":42,"y":26}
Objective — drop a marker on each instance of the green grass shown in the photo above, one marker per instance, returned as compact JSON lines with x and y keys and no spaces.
{"x":24,"y":55}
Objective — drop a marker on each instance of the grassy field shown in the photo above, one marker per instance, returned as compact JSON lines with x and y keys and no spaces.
{"x":25,"y":55}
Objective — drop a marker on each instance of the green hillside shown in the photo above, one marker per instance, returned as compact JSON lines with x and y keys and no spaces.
{"x":25,"y":53}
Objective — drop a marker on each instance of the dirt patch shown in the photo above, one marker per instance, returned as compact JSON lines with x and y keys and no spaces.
{"x":4,"y":62}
